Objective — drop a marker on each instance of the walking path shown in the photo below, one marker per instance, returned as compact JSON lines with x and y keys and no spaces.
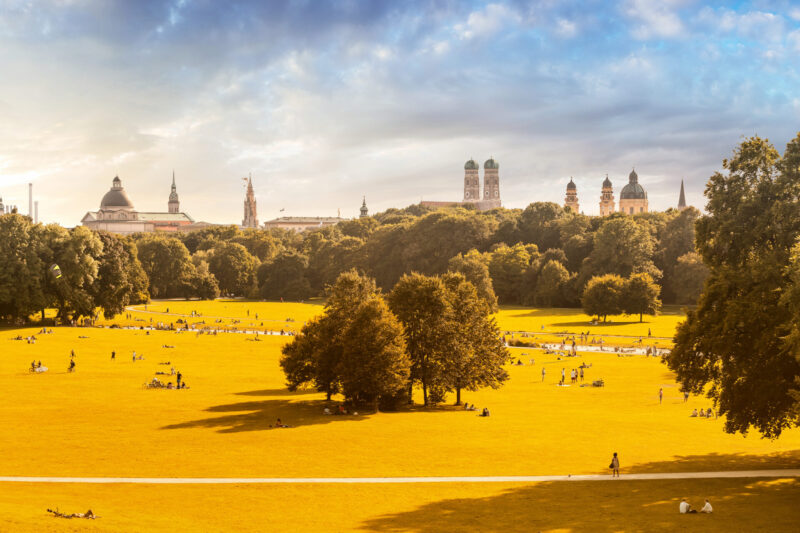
{"x":375,"y":480}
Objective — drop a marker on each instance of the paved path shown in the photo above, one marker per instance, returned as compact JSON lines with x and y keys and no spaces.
{"x":375,"y":480}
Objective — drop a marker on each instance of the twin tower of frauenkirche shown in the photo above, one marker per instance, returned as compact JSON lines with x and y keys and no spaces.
{"x":491,"y":184}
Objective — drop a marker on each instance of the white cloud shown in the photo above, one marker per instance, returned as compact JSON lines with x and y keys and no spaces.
{"x":793,"y":39}
{"x":566,"y":28}
{"x":488,"y":21}
{"x":655,"y":19}
{"x":794,"y":14}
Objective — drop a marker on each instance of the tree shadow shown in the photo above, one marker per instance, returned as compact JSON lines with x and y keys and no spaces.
{"x":598,"y":325}
{"x":277,"y":392}
{"x":740,"y":504}
{"x":713,"y":462}
{"x":262,"y":415}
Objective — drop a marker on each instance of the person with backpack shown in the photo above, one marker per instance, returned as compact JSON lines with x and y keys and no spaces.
{"x":614,"y":466}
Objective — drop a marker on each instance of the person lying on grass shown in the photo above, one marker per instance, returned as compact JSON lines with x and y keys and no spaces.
{"x":88,"y":514}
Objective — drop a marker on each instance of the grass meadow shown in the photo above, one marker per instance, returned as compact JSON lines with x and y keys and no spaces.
{"x":100,"y":422}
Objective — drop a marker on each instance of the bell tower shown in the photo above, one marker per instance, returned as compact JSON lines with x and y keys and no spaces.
{"x":571,"y":200}
{"x":491,"y":183}
{"x":472,"y":186}
{"x":606,"y":198}
{"x":250,"y":218}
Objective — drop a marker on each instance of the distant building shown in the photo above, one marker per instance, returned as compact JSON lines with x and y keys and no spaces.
{"x":681,"y":199}
{"x":300,"y":224}
{"x":571,"y":200}
{"x":117,"y":214}
{"x":633,"y":197}
{"x":472,"y":188}
{"x":250,"y":217}
{"x":606,"y":198}
{"x":364,"y":210}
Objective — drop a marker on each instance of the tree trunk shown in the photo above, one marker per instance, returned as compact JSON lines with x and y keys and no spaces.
{"x":458,"y":395}
{"x":424,"y":394}
{"x":328,"y":395}
{"x":376,"y":404}
{"x":640,"y":317}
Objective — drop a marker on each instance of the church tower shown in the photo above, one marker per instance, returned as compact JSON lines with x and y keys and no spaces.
{"x":606,"y":198}
{"x":472,"y":186}
{"x":364,"y":210}
{"x":250,"y":217}
{"x":633,"y":197}
{"x":571,"y":200}
{"x":681,"y":199}
{"x":491,"y":184}
{"x":2,"y":207}
{"x":174,"y":204}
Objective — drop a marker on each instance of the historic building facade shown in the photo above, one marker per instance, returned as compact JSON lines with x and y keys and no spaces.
{"x":472,"y":188}
{"x":606,"y":198}
{"x":250,"y":215}
{"x":364,"y":209}
{"x":633,"y":197}
{"x":300,"y":224}
{"x":118,"y":215}
{"x":571,"y":199}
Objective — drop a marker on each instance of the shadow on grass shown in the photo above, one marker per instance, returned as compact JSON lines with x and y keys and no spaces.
{"x":740,"y":504}
{"x":598,"y":325}
{"x":260,"y":415}
{"x":277,"y":392}
{"x":713,"y":462}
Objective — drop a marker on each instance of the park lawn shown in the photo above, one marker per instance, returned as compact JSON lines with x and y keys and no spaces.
{"x":99,"y":421}
{"x":768,"y":505}
{"x":511,"y":318}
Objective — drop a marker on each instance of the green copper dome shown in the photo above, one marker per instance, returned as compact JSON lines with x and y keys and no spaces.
{"x":471,"y":165}
{"x":491,"y":163}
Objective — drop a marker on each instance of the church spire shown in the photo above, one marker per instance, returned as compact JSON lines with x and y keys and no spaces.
{"x":173,"y":205}
{"x":250,"y":217}
{"x":682,"y":199}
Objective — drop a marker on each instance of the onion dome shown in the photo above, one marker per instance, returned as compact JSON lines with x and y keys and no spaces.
{"x":491,"y":164}
{"x":471,"y":165}
{"x":571,"y":185}
{"x":116,"y":198}
{"x":607,"y":183}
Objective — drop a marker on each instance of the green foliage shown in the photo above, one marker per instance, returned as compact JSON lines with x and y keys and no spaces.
{"x":551,"y":285}
{"x":284,"y":277}
{"x":508,"y":267}
{"x":234,"y":268}
{"x":473,"y":267}
{"x":688,"y":277}
{"x":168,"y":266}
{"x":21,"y":269}
{"x":740,"y":344}
{"x":603,"y":295}
{"x":623,"y":246}
{"x":121,"y":280}
{"x":640,"y":296}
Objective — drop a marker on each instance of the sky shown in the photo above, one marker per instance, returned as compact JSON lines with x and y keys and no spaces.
{"x":326,"y":102}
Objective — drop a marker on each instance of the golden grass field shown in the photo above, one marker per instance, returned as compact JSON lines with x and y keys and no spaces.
{"x":100,"y":422}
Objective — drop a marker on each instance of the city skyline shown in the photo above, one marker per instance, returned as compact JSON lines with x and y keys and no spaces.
{"x":327,"y":103}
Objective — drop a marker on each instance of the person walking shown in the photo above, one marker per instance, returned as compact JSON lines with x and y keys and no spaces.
{"x":113,"y":355}
{"x":543,"y":373}
{"x":563,"y":376}
{"x":178,"y":379}
{"x":581,"y":373}
{"x":685,"y":396}
{"x":614,"y":466}
{"x":660,"y":395}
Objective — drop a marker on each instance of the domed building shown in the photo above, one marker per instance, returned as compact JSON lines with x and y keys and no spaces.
{"x":571,"y":200}
{"x":117,"y":214}
{"x":633,"y":197}
{"x":606,"y":198}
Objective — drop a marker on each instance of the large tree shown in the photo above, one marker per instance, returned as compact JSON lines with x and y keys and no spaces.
{"x":21,"y":269}
{"x":640,"y":296}
{"x":688,"y":276}
{"x":603,"y":296}
{"x":168,"y":266}
{"x":374,"y":364}
{"x":741,"y":339}
{"x":234,"y":267}
{"x":473,"y":266}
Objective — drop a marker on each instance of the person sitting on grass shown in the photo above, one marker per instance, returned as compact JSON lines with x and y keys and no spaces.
{"x":685,"y":508}
{"x":88,"y":514}
{"x":709,"y":413}
{"x":707,"y":508}
{"x":71,"y":366}
{"x":485,"y":412}
{"x":280,"y":424}
{"x":694,"y":414}
{"x":169,"y":386}
{"x":702,"y":413}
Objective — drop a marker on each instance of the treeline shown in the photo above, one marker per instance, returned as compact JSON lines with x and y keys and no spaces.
{"x":94,"y":270}
{"x":542,"y":255}
{"x":430,"y":331}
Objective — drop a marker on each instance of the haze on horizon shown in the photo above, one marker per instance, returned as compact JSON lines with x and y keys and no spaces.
{"x":324,"y":102}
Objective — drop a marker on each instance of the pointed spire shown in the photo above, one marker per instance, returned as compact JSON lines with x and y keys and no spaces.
{"x":682,"y":199}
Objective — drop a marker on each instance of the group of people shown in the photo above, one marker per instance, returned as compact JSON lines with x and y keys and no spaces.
{"x":575,"y":374}
{"x":686,"y":508}
{"x":704,"y":413}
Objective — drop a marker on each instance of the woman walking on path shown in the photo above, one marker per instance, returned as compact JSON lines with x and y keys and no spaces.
{"x":614,"y":465}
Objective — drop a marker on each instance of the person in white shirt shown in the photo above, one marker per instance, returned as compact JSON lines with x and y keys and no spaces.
{"x":685,"y":508}
{"x":707,"y":508}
